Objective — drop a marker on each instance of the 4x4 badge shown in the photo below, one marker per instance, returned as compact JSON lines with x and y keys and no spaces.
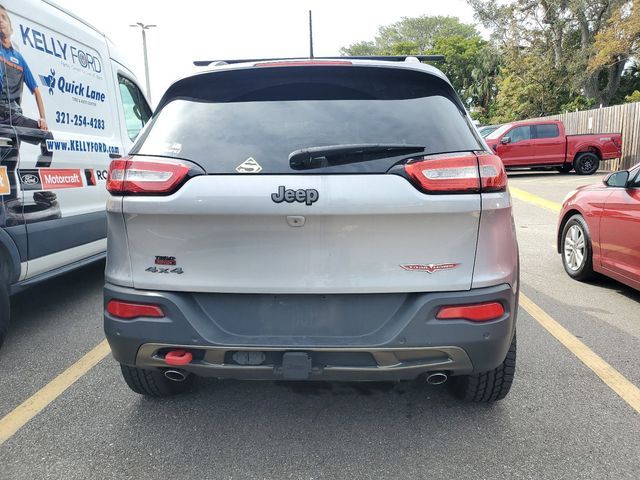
{"x":249,"y":166}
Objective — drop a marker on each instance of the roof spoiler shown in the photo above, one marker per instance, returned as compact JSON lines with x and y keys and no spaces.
{"x":388,"y":58}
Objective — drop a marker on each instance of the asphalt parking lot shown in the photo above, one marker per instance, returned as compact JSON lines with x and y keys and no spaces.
{"x":560,"y":421}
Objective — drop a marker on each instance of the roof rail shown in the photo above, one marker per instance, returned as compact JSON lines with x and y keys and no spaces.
{"x":388,"y":58}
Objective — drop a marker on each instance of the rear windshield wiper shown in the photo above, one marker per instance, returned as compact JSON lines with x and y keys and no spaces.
{"x":331,"y":155}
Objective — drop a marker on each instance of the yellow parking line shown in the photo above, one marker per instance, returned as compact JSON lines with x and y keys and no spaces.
{"x":535,"y":199}
{"x":16,"y":419}
{"x":24,"y":412}
{"x":609,"y":375}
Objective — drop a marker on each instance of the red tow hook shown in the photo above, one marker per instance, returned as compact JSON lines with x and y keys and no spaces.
{"x":178,"y":357}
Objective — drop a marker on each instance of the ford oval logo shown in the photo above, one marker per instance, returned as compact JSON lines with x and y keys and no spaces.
{"x":30,"y":179}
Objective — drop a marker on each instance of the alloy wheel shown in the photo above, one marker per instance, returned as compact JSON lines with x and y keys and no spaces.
{"x":574,"y":248}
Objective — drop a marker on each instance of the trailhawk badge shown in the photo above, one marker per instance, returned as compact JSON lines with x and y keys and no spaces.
{"x":430,"y":267}
{"x":249,"y":166}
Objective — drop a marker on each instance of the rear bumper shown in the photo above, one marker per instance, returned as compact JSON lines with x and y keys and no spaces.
{"x":335,"y":337}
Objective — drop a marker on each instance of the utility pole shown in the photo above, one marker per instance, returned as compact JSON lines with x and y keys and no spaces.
{"x":310,"y":36}
{"x":144,"y":28}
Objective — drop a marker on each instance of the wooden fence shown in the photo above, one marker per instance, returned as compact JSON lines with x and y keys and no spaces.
{"x":619,"y":118}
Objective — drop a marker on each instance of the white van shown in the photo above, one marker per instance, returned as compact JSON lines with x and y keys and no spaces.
{"x":68,"y":105}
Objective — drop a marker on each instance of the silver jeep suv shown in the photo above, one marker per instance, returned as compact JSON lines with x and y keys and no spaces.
{"x":312,"y":220}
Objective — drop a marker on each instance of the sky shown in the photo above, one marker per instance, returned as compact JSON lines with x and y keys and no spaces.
{"x":190,"y":30}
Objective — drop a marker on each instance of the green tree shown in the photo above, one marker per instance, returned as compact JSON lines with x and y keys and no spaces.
{"x":423,"y":31}
{"x":527,"y":88}
{"x":561,"y":35}
{"x":483,"y":86}
{"x":360,"y":49}
{"x":468,"y":58}
{"x":629,"y":83}
{"x":634,"y":97}
{"x":620,"y":38}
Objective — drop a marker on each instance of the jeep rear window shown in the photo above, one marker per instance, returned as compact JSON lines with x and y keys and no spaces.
{"x":221,"y":119}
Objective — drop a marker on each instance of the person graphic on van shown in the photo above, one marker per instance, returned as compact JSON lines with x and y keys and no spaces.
{"x":14,"y":73}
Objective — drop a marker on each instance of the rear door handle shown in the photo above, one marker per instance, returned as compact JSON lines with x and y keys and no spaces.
{"x":6,"y":142}
{"x":115,"y":155}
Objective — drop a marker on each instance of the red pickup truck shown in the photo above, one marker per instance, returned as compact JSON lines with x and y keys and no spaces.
{"x":544,"y":144}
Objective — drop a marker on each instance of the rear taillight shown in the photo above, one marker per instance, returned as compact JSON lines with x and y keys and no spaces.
{"x":492,"y":173}
{"x":129,"y":310}
{"x":445,"y":174}
{"x":130,"y":175}
{"x":458,"y":173}
{"x":479,"y":312}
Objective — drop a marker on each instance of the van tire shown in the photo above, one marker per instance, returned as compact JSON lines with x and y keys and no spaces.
{"x":153,"y":383}
{"x":5,"y":310}
{"x":488,"y":386}
{"x":586,"y":163}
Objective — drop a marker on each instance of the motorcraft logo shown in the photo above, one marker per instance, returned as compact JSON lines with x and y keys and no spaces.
{"x":49,"y":44}
{"x":67,"y":178}
{"x":72,"y":87}
{"x":429,"y":267}
{"x":50,"y":179}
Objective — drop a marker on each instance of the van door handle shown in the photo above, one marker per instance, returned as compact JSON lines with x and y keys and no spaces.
{"x":115,"y":155}
{"x":6,"y":142}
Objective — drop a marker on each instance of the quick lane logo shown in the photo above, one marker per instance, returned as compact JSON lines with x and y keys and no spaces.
{"x":49,"y":81}
{"x":67,"y":178}
{"x":78,"y":89}
{"x":55,"y":47}
{"x":5,"y":188}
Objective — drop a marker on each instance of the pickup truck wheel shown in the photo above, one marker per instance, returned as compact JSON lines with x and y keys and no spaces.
{"x":153,"y":383}
{"x":586,"y":163}
{"x":5,"y":310}
{"x":487,"y":386}
{"x":566,"y":168}
{"x":576,"y":249}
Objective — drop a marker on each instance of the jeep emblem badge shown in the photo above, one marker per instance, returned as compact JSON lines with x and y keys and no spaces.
{"x":308,"y":196}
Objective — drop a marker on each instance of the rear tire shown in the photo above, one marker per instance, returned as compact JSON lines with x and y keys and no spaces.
{"x":153,"y":383}
{"x":586,"y":163}
{"x":577,"y":255}
{"x":488,"y":386}
{"x":5,"y":310}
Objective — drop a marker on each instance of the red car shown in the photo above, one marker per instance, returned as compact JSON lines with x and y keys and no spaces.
{"x":544,"y":144}
{"x":599,"y":229}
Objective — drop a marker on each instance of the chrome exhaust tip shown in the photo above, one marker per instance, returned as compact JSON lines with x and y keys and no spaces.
{"x":175,"y":375}
{"x":437,"y":378}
